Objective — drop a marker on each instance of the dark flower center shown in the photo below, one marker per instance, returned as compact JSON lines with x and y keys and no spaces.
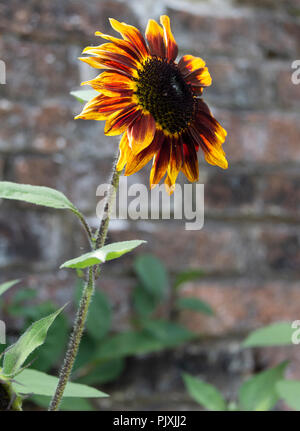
{"x":163,"y":92}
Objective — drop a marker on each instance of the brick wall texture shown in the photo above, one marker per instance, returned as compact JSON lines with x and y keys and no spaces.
{"x":249,"y":247}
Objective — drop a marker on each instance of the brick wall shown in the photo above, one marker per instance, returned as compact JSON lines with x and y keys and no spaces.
{"x":249,"y":247}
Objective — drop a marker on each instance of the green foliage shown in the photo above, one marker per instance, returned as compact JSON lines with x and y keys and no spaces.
{"x":168,"y":333}
{"x":7,"y":285}
{"x":37,"y":195}
{"x":152,"y":275}
{"x":144,"y":303}
{"x":100,"y":316}
{"x":204,"y":393}
{"x":16,"y":355}
{"x":289,"y":391}
{"x":104,"y":254}
{"x":38,"y":383}
{"x":276,"y":334}
{"x":102,"y":351}
{"x":104,"y":372}
{"x":194,"y":304}
{"x":188,"y":275}
{"x":71,"y":404}
{"x":259,"y":392}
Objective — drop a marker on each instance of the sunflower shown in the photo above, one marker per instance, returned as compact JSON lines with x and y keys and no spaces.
{"x":155,"y":102}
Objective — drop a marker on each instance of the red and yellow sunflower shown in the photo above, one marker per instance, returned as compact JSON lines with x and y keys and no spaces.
{"x":155,"y":102}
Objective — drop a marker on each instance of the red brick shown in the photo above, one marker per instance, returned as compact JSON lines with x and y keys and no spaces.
{"x":289,"y":6}
{"x":36,"y":72}
{"x":239,"y":34}
{"x":36,"y":171}
{"x":214,"y":248}
{"x":60,"y":20}
{"x":261,"y":137}
{"x":281,"y":193}
{"x":242,"y":84}
{"x":244,"y":192}
{"x":242,"y":305}
{"x":288,"y":93}
{"x":33,"y":241}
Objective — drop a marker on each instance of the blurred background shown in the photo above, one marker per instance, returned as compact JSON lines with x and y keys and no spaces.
{"x":243,"y":264}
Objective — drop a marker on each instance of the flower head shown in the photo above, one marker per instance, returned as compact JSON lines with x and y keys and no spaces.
{"x":155,"y":102}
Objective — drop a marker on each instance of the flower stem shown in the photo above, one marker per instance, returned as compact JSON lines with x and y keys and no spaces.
{"x":74,"y":340}
{"x":102,"y":231}
{"x":86,"y":297}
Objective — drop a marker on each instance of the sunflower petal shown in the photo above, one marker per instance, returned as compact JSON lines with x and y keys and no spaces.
{"x":210,"y":135}
{"x":107,"y":62}
{"x":121,"y":120}
{"x":124,"y":151}
{"x":160,"y":163}
{"x":91,"y":110}
{"x":199,"y":78}
{"x":141,"y":133}
{"x":109,"y":48}
{"x":123,"y":44}
{"x":135,"y":162}
{"x":131,"y":34}
{"x":189,"y":63}
{"x":190,"y":166}
{"x":155,"y":38}
{"x":216,"y":156}
{"x":171,"y":45}
{"x":112,"y":84}
{"x":170,"y":187}
{"x":176,"y":159}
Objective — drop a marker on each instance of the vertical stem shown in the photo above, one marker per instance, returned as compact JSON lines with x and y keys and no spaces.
{"x":74,"y":341}
{"x":102,"y":231}
{"x":86,"y":298}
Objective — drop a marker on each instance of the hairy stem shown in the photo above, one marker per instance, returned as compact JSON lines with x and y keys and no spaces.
{"x":102,"y":231}
{"x":86,"y":297}
{"x":74,"y":341}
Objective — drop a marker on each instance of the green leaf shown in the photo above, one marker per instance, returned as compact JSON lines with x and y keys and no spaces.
{"x":50,"y":353}
{"x":259,"y":392}
{"x":99,"y":317}
{"x":37,"y":195}
{"x":71,"y":404}
{"x":126,"y":344}
{"x":87,"y":349}
{"x":108,"y":252}
{"x":85,"y":95}
{"x":289,"y":391}
{"x":204,"y":393}
{"x":188,"y":275}
{"x":168,"y":333}
{"x":144,"y":303}
{"x":7,"y":285}
{"x":35,"y":382}
{"x":152,"y":275}
{"x":194,"y":304}
{"x":34,"y":337}
{"x":276,"y":334}
{"x":103,"y":373}
{"x":140,"y":342}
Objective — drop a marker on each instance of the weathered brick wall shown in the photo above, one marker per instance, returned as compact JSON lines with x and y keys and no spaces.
{"x":249,"y":247}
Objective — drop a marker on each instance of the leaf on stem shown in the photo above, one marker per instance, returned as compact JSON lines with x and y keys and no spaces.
{"x":103,"y":254}
{"x":7,"y":285}
{"x":276,"y":334}
{"x":38,"y":383}
{"x":204,"y":393}
{"x":33,"y":337}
